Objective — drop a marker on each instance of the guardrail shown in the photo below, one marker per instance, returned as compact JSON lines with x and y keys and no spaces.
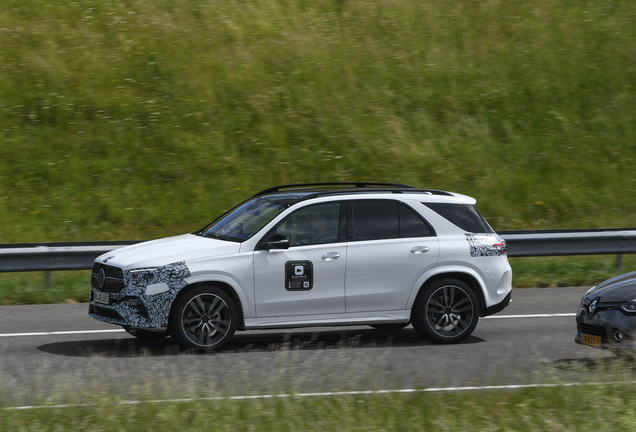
{"x":50,"y":257}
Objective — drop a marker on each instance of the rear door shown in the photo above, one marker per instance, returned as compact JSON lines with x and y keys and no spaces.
{"x":389,"y":247}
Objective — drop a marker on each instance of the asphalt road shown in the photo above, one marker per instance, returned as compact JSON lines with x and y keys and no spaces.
{"x":50,"y":352}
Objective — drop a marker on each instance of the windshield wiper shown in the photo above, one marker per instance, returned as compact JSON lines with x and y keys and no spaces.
{"x":222,"y":237}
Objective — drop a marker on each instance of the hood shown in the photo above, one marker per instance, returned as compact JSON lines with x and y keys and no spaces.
{"x":618,"y":289}
{"x":168,"y":250}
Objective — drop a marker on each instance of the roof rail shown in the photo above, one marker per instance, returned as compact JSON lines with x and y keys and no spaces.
{"x":349,"y":184}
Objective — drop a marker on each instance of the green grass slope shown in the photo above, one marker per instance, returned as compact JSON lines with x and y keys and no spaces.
{"x":126,"y":120}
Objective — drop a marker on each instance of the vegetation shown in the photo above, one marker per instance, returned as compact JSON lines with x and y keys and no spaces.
{"x":128,"y":120}
{"x":603,"y":408}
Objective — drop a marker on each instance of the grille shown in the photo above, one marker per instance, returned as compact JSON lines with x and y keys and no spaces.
{"x":593,"y":330}
{"x":114,"y":278}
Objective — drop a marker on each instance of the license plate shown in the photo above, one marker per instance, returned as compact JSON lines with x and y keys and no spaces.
{"x":590,"y":340}
{"x":100,"y":297}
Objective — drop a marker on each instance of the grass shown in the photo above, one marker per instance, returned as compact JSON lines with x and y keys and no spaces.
{"x":591,"y":408}
{"x":32,"y":287}
{"x":136,"y":120}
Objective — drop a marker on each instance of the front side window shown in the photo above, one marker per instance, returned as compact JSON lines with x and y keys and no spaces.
{"x":316,"y":224}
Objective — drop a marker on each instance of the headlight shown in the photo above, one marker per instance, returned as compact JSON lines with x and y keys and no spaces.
{"x":143,"y":270}
{"x":581,"y":310}
{"x":143,"y":276}
{"x":629,"y":306}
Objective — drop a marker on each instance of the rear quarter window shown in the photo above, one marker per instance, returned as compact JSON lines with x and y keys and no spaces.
{"x":464,"y":216}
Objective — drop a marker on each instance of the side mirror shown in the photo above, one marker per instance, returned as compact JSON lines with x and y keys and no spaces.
{"x":277,"y":241}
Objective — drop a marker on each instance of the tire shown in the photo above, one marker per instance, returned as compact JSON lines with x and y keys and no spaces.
{"x":446,"y":312}
{"x":204,"y":318}
{"x":389,"y":327}
{"x":144,"y":334}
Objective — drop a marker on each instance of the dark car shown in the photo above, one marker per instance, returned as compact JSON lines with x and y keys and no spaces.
{"x":606,"y":318}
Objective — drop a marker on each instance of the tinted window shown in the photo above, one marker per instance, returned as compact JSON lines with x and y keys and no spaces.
{"x":411,"y":225}
{"x":312,"y":225}
{"x":464,"y":216}
{"x":374,"y":220}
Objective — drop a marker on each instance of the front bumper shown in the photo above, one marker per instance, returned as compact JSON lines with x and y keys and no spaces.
{"x":130,"y":311}
{"x":145,"y":297}
{"x":606,"y":328}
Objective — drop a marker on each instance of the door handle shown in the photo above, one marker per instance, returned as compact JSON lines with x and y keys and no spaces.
{"x":420,"y":249}
{"x":330,"y":256}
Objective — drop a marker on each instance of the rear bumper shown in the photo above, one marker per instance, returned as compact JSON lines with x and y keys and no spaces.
{"x":499,"y":306}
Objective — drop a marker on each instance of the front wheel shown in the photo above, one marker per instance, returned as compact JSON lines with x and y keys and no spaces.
{"x":204,"y":318}
{"x":446,"y":312}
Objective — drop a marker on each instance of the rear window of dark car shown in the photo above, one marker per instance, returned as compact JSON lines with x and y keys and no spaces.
{"x":464,"y":216}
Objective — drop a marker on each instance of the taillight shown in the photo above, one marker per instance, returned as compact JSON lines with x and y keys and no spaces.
{"x":501,"y":247}
{"x":486,"y":245}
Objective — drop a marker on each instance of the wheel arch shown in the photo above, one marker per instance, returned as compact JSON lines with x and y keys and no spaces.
{"x":227,"y":288}
{"x":467,"y":278}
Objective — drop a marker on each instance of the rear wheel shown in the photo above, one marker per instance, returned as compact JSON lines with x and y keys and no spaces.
{"x":144,"y":334}
{"x":446,"y":312}
{"x":204,"y":318}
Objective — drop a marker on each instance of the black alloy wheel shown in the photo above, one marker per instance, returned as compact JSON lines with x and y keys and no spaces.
{"x":446,"y":312}
{"x":204,"y":318}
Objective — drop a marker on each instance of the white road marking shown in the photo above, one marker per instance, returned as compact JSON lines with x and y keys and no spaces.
{"x":74,"y":332}
{"x":56,"y":333}
{"x":328,"y":394}
{"x":531,"y":316}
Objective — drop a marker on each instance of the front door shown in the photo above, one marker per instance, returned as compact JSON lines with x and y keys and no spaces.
{"x":308,"y":278}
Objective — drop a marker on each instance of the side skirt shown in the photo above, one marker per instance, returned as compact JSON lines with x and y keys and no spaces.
{"x":359,"y":318}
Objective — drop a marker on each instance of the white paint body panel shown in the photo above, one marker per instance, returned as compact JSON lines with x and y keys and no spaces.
{"x":167,"y":250}
{"x":382,"y":273}
{"x":327,"y":295}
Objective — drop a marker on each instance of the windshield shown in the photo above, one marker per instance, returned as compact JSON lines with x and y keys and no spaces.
{"x":245,"y":220}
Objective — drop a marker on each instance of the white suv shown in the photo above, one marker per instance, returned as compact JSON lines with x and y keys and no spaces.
{"x":321,"y":254}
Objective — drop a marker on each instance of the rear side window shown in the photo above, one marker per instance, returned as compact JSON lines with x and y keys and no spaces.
{"x":375,"y":220}
{"x":411,"y":225}
{"x":464,"y":216}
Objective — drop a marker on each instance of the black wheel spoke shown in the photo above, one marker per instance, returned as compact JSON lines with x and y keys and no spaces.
{"x":197,"y":306}
{"x":449,"y":312}
{"x":206,"y":320}
{"x":211,"y":310}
